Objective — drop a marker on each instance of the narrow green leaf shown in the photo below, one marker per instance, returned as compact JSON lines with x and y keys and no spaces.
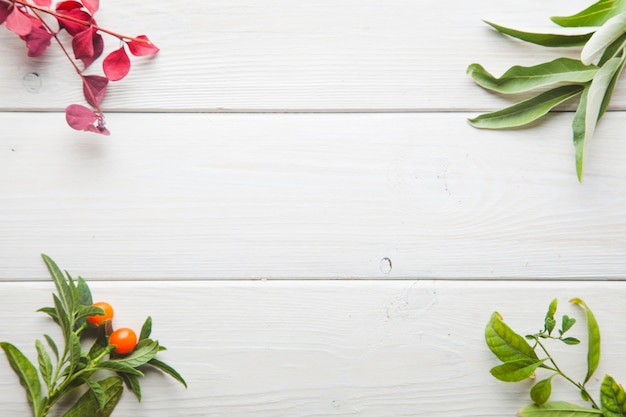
{"x":570,"y":341}
{"x":593,"y":332}
{"x":544,"y":39}
{"x":505,"y":343}
{"x":26,"y":372}
{"x":116,"y":366}
{"x":558,"y":409}
{"x":168,"y":370}
{"x":612,"y":398}
{"x":526,"y":111}
{"x":594,"y":99}
{"x":45,"y":364}
{"x":63,"y":288}
{"x":595,"y":15}
{"x":605,"y":36}
{"x":75,"y":352}
{"x":52,"y":312}
{"x":540,"y":392}
{"x":64,"y":319}
{"x":549,"y":322}
{"x":146,"y":329}
{"x":517,"y":370}
{"x":132,"y":382}
{"x":519,"y":79}
{"x":52,"y":345}
{"x":88,"y":405}
{"x":84,"y":297}
{"x":97,"y":391}
{"x":143,"y":353}
{"x":613,"y":50}
{"x":85,"y":311}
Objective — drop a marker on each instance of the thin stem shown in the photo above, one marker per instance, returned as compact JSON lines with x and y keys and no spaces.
{"x":85,"y":23}
{"x":578,"y":385}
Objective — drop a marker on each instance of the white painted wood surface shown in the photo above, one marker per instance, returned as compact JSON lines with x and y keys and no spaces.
{"x":339,"y":261}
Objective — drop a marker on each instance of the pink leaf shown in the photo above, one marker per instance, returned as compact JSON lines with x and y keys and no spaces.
{"x":116,"y":65}
{"x":81,"y":118}
{"x":98,"y":47}
{"x":19,"y":22}
{"x":92,"y":5}
{"x":143,"y":47}
{"x":94,"y":87}
{"x":82,"y":44}
{"x":65,"y":6}
{"x":43,"y":3}
{"x":4,"y":12}
{"x":73,"y":28}
{"x":37,"y":41}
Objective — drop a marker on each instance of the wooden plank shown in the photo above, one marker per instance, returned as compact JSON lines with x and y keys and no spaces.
{"x":281,"y":55}
{"x":289,"y":348}
{"x":197,"y":196}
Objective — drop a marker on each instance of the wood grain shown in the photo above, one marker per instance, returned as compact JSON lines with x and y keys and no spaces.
{"x":280,"y":55}
{"x":329,"y":348}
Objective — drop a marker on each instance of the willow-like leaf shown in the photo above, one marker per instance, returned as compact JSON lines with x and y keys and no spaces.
{"x":543,"y":39}
{"x":526,"y":111}
{"x":519,"y":79}
{"x":593,"y":332}
{"x":558,"y":409}
{"x":604,"y":37}
{"x":26,"y":372}
{"x":595,"y":15}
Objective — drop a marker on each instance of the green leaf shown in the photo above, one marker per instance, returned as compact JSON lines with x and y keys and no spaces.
{"x":540,"y":392}
{"x":604,"y":37}
{"x":84,"y":297}
{"x":63,"y":288}
{"x":146,"y":329}
{"x":593,"y":332}
{"x":567,"y":323}
{"x":64,"y":319}
{"x":612,"y":398}
{"x":549,"y":322}
{"x":52,"y":345}
{"x":132,"y":382}
{"x":97,"y":391}
{"x":52,"y":312}
{"x":117,"y":366}
{"x":85,"y":311}
{"x":519,"y":79}
{"x":594,"y":15}
{"x":526,"y":111}
{"x":613,"y":50}
{"x":168,"y":370}
{"x":570,"y":341}
{"x":593,"y":100}
{"x":88,"y":405}
{"x":26,"y":372}
{"x":45,"y":364}
{"x":544,"y":39}
{"x":557,"y":409}
{"x":505,"y":343}
{"x":143,"y":353}
{"x":517,"y":370}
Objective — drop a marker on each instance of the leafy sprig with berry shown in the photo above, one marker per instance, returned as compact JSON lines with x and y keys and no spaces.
{"x":71,"y":25}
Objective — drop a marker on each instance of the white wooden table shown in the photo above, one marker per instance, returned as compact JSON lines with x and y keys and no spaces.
{"x":292,"y":191}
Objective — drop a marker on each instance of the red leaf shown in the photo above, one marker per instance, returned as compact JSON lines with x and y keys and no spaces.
{"x":4,"y":12}
{"x":82,"y":44}
{"x":73,"y":28}
{"x":94,"y":87}
{"x":37,"y":41}
{"x":43,"y":3}
{"x":92,"y":5}
{"x":116,"y":65}
{"x":19,"y":22}
{"x":81,"y":118}
{"x":98,"y":47}
{"x":65,"y":6}
{"x":139,"y":48}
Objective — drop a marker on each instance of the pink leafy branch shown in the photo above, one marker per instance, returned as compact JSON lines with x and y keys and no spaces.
{"x":76,"y":18}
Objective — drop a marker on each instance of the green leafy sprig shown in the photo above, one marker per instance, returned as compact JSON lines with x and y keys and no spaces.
{"x":520,"y":359}
{"x":67,"y":367}
{"x":591,"y":79}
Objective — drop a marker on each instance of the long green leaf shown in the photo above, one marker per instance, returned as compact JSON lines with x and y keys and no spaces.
{"x":88,"y":405}
{"x":610,"y":32}
{"x":119,"y":367}
{"x":63,"y":288}
{"x":26,"y":372}
{"x":543,"y":39}
{"x":146,"y":329}
{"x":517,"y":370}
{"x":132,"y":382}
{"x":45,"y":364}
{"x":612,"y":398}
{"x":505,"y":343}
{"x":519,"y":79}
{"x":143,"y":353}
{"x":168,"y":370}
{"x":558,"y":409}
{"x":595,"y":15}
{"x":593,"y":333}
{"x":526,"y":111}
{"x":594,"y":99}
